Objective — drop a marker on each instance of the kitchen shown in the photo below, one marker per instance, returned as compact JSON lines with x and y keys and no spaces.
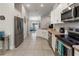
{"x":55,"y":34}
{"x":64,"y":33}
{"x":59,"y":26}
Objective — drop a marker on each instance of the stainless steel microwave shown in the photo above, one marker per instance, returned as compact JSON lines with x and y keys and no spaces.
{"x":77,"y":13}
{"x":70,"y":13}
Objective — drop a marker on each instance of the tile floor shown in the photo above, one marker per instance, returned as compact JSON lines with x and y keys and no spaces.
{"x":32,"y":46}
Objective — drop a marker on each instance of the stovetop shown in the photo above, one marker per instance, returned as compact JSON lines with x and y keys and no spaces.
{"x":68,"y":40}
{"x":72,"y":38}
{"x":72,"y":41}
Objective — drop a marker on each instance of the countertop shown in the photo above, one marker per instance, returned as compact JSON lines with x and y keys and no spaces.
{"x":60,"y":37}
{"x":64,"y":40}
{"x":53,"y":31}
{"x":57,"y":34}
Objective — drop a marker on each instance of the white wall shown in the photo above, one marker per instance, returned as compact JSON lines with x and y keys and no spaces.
{"x":25,"y":17}
{"x":7,"y":25}
{"x":45,"y":21}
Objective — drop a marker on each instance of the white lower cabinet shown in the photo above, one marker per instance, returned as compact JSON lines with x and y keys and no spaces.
{"x":76,"y":53}
{"x":53,"y":42}
{"x":42,"y":33}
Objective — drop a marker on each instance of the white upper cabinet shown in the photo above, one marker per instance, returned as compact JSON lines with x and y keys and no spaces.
{"x":56,"y":13}
{"x":52,"y":17}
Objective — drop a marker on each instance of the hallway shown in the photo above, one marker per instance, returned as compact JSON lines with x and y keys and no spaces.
{"x":32,"y":46}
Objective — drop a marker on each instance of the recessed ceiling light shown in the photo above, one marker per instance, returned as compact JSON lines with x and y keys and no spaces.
{"x":28,"y":5}
{"x":42,"y":5}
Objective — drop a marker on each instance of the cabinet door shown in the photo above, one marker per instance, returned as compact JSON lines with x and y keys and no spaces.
{"x":76,"y":53}
{"x":53,"y":42}
{"x":45,"y":34}
{"x":57,"y":15}
{"x":58,"y":11}
{"x":52,"y":17}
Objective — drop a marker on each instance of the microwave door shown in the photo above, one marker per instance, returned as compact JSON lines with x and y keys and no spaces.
{"x":67,"y":15}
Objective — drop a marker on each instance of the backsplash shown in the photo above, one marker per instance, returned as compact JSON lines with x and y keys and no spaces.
{"x":66,"y":25}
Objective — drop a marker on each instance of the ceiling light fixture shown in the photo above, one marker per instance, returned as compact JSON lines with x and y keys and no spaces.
{"x":28,"y":5}
{"x":42,"y":5}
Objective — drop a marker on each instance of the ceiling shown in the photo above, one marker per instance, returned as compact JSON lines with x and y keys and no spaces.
{"x":36,"y":10}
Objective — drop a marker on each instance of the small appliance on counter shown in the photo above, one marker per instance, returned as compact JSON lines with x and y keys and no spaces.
{"x":62,"y":30}
{"x":51,"y":26}
{"x":71,"y":13}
